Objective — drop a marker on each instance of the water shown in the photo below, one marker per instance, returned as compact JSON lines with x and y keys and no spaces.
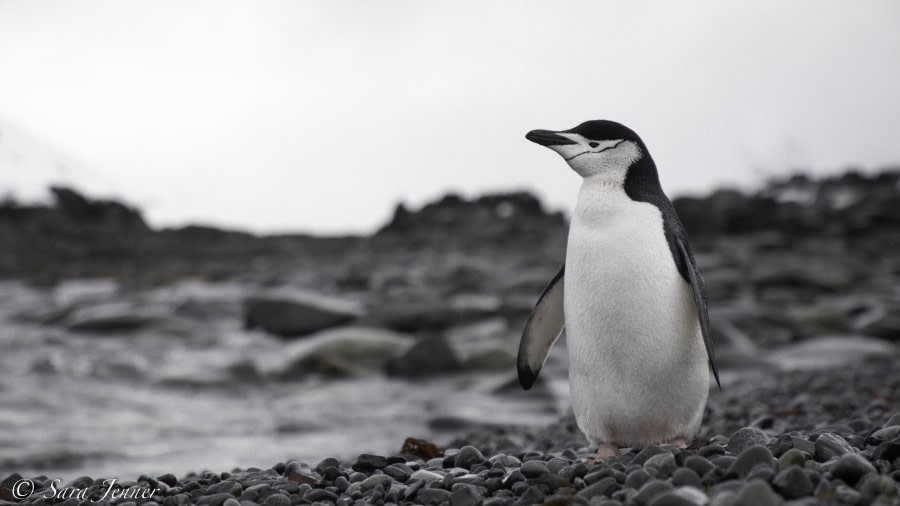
{"x":191,"y":391}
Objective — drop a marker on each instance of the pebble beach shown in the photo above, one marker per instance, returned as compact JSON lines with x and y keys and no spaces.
{"x":380,"y":370}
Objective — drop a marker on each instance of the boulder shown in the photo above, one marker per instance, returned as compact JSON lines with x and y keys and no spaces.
{"x":341,"y":352}
{"x":427,"y":357}
{"x":294,"y":314}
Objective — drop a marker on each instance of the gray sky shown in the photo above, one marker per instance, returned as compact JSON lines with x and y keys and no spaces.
{"x":321,"y":115}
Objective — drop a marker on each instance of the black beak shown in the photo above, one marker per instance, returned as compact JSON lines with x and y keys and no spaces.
{"x":547,"y":138}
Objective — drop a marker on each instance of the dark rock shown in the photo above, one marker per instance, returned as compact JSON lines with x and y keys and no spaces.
{"x":296,"y":314}
{"x":426,"y":357}
{"x":219,"y":499}
{"x":366,"y":463}
{"x":328,"y":463}
{"x":646,"y":453}
{"x":397,"y":473}
{"x":750,"y":458}
{"x":277,"y":500}
{"x":534,"y":468}
{"x":804,"y":445}
{"x":650,"y":490}
{"x":682,"y":496}
{"x":830,"y":445}
{"x":851,"y":468}
{"x":376,"y":480}
{"x":745,"y":438}
{"x":469,"y":457}
{"x":226,"y":486}
{"x":686,"y":477}
{"x":465,"y":496}
{"x":419,"y":316}
{"x":793,"y":483}
{"x":757,"y":493}
{"x":532,"y":495}
{"x":636,"y":479}
{"x":888,"y":450}
{"x":792,"y":457}
{"x":699,"y":464}
{"x":432,"y":496}
{"x":320,"y":495}
{"x":605,"y":487}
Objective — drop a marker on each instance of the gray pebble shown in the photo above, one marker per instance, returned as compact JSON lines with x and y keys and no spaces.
{"x":699,"y":464}
{"x":756,"y":493}
{"x":804,"y":445}
{"x":792,"y":457}
{"x":646,"y":453}
{"x":465,"y":495}
{"x":851,"y":468}
{"x":893,"y":420}
{"x":792,"y":483}
{"x":745,"y":438}
{"x":636,"y":479}
{"x":397,"y":473}
{"x":682,"y":496}
{"x":664,"y":463}
{"x":321,"y":495}
{"x":686,"y":477}
{"x":605,"y":487}
{"x":555,"y":465}
{"x":532,"y":495}
{"x":468,"y":457}
{"x":277,"y":500}
{"x":227,"y":486}
{"x":534,"y":468}
{"x":650,"y":490}
{"x":830,"y":445}
{"x":750,"y":458}
{"x":215,"y":499}
{"x":228,"y":502}
{"x":375,"y":480}
{"x":432,"y":496}
{"x":426,"y":476}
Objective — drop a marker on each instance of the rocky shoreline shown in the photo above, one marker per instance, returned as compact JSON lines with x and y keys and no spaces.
{"x":802,"y":277}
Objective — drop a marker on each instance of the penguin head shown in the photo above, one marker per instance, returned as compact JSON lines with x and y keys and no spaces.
{"x":598,"y":147}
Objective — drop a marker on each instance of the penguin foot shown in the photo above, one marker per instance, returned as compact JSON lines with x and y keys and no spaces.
{"x":675,"y":443}
{"x":606,"y":450}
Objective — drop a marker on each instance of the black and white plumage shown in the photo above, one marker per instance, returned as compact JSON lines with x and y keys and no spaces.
{"x":629,"y":296}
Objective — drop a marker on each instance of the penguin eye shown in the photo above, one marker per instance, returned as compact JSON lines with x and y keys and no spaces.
{"x":593,"y":144}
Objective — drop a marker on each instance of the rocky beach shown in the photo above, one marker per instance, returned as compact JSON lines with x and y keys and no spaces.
{"x":205,"y":366}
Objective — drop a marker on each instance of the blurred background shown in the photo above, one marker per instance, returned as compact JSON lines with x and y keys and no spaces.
{"x":235,"y":233}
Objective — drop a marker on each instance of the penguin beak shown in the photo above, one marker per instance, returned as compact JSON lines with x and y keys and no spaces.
{"x":547,"y":138}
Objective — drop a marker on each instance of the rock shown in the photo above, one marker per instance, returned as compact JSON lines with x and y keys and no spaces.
{"x":793,"y":483}
{"x":300,"y":472}
{"x":469,"y":457}
{"x":534,"y":468}
{"x":320,"y":495}
{"x":226,"y":486}
{"x":829,"y":352}
{"x":685,"y":477}
{"x":490,"y":359}
{"x":169,"y":479}
{"x":426,"y":476}
{"x":374,"y":481}
{"x":750,"y":458}
{"x":851,"y":468}
{"x":894,"y":420}
{"x":878,"y":486}
{"x":366,"y":463}
{"x":681,"y":496}
{"x":397,"y":473}
{"x":664,"y":463}
{"x":277,"y":500}
{"x":745,"y":438}
{"x":294,"y":314}
{"x":427,"y":357}
{"x":636,"y":479}
{"x":418,"y":316}
{"x":804,"y":445}
{"x":432,"y":496}
{"x":880,"y":322}
{"x":756,"y":493}
{"x":114,"y":318}
{"x":650,"y":490}
{"x":888,"y":450}
{"x":887,"y":433}
{"x":465,"y":496}
{"x":219,"y":499}
{"x":646,"y":453}
{"x":698,"y":464}
{"x":605,"y":487}
{"x":341,"y":352}
{"x":830,"y":445}
{"x":792,"y":457}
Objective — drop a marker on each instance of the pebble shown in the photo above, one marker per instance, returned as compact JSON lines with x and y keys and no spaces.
{"x":792,"y":483}
{"x":750,"y":458}
{"x":534,"y":468}
{"x":605,"y":487}
{"x":851,"y":468}
{"x":375,"y":480}
{"x":650,"y":490}
{"x":432,"y":496}
{"x":367,"y":463}
{"x":681,"y":496}
{"x":468,"y":457}
{"x":745,"y":438}
{"x":646,"y":453}
{"x":686,"y":477}
{"x":829,"y":445}
{"x":756,"y":493}
{"x":465,"y":495}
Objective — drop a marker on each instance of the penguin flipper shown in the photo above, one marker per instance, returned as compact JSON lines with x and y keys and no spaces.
{"x":544,"y":327}
{"x":700,"y":302}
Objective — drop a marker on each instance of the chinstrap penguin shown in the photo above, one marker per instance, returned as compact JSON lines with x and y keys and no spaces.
{"x":629,"y":296}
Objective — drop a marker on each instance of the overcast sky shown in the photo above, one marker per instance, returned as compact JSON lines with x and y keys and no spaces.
{"x":320,"y":116}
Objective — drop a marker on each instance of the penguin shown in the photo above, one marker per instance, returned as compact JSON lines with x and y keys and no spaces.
{"x":629,"y":296}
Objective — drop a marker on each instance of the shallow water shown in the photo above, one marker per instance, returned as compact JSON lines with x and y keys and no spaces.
{"x":191,"y":393}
